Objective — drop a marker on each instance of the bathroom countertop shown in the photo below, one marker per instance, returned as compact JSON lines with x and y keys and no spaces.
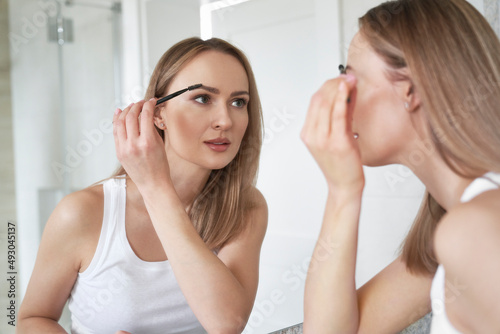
{"x":421,"y":326}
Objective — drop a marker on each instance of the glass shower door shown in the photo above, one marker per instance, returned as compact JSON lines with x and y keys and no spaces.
{"x":87,"y":37}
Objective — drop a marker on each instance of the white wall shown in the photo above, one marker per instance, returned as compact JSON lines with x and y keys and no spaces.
{"x":166,"y":23}
{"x":151,"y":27}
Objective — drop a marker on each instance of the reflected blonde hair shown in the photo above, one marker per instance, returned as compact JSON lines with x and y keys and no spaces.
{"x":218,"y":211}
{"x":453,"y":56}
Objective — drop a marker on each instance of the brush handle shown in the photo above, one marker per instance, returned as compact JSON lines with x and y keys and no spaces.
{"x":168,"y":97}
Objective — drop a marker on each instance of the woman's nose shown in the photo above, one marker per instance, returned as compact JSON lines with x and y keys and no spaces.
{"x":221,"y":119}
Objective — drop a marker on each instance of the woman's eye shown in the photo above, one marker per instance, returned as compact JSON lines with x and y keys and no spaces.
{"x":239,"y":103}
{"x":203,"y":99}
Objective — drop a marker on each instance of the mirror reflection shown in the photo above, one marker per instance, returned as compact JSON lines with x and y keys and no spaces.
{"x":72,"y":63}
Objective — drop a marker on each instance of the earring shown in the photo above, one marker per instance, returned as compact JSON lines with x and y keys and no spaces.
{"x":162,"y":125}
{"x":407,"y":105}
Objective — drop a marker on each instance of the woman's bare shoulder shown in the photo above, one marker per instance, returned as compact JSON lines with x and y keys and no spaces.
{"x":478,"y":219}
{"x":255,"y":199}
{"x":81,"y":208}
{"x":466,"y":243}
{"x":78,"y":217}
{"x":256,"y":207}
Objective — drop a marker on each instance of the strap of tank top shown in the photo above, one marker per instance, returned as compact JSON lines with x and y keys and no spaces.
{"x":114,"y":201}
{"x":491,"y":177}
{"x":488,"y":181}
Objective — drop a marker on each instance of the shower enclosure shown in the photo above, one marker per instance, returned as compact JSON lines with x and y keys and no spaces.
{"x":88,"y":40}
{"x":87,"y":35}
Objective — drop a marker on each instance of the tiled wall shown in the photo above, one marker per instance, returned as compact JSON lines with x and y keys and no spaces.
{"x":7,"y":190}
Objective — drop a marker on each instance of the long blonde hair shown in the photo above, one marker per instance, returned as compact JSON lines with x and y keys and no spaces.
{"x":218,"y":211}
{"x":453,"y":56}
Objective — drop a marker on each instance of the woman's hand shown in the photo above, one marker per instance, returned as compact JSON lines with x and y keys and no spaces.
{"x":328,"y":135}
{"x":139,"y":147}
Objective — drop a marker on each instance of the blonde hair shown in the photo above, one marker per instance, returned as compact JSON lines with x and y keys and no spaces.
{"x":453,"y":56}
{"x":218,"y":211}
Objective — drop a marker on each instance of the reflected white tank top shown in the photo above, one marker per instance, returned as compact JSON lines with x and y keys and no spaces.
{"x":440,"y":322}
{"x":119,"y":291}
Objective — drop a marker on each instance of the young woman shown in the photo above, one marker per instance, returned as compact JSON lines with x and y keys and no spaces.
{"x":171,"y":243}
{"x":422,"y":89}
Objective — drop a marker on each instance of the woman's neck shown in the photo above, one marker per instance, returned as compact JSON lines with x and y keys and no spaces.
{"x":188,"y":180}
{"x":441,"y":181}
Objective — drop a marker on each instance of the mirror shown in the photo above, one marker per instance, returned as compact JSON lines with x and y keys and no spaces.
{"x":66,"y":84}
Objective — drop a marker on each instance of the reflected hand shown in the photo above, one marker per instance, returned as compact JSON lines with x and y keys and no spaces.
{"x":328,"y":135}
{"x":139,"y":147}
{"x":123,"y":332}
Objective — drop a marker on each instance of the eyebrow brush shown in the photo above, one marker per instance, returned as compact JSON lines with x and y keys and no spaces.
{"x":179,"y":92}
{"x":343,"y":70}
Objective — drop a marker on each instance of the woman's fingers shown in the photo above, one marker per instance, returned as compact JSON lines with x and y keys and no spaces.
{"x":119,"y":126}
{"x":121,"y":129}
{"x":349,"y":96}
{"x":147,"y":123}
{"x":341,"y":126}
{"x":132,"y":120}
{"x":139,"y":147}
{"x":328,"y":110}
{"x":320,"y":109}
{"x":115,"y":127}
{"x":134,"y":131}
{"x":328,"y":133}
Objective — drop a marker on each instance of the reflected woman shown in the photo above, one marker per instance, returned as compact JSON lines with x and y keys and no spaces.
{"x":171,"y":242}
{"x":423,"y":79}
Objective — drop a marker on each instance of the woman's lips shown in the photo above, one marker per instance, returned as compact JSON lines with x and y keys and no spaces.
{"x":218,"y":144}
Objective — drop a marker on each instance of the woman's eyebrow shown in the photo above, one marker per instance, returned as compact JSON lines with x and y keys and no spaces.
{"x":241,"y":92}
{"x":210,"y":89}
{"x":217,"y":91}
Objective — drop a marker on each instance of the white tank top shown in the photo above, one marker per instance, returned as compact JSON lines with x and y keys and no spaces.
{"x":119,"y":291}
{"x":440,"y":322}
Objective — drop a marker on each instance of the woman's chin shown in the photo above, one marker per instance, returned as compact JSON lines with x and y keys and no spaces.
{"x":374,"y":161}
{"x":216,"y":165}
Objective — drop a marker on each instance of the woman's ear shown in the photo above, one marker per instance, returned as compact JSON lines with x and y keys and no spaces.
{"x":159,"y":119}
{"x":406,"y":90}
{"x":412,"y":97}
